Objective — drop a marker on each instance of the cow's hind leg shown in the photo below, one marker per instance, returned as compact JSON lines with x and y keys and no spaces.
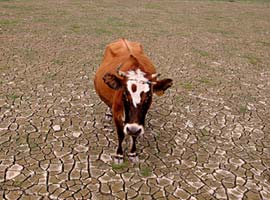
{"x":133,"y":155}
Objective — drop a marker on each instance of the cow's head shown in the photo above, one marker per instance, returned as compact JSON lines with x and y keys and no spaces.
{"x":137,"y":90}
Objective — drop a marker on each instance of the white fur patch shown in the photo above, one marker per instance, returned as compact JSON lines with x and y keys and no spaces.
{"x":137,"y":78}
{"x":133,"y":125}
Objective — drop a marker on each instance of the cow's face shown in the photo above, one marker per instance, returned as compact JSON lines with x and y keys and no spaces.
{"x":137,"y":98}
{"x":137,"y":90}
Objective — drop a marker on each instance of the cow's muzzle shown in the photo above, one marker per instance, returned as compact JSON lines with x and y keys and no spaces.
{"x":133,"y":129}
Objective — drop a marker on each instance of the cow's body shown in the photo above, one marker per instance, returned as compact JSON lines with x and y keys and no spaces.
{"x":115,"y":54}
{"x":129,"y":95}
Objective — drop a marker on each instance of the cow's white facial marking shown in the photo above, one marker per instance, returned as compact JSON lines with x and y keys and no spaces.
{"x":137,"y":84}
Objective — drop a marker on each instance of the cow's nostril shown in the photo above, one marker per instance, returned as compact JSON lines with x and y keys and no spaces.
{"x":139,"y":131}
{"x":128,"y":131}
{"x":133,"y":130}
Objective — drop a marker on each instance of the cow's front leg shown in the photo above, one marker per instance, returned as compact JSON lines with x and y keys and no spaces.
{"x":133,"y":155}
{"x":119,"y":157}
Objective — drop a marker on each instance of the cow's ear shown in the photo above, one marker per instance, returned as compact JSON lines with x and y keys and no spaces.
{"x":112,"y":81}
{"x":162,"y":85}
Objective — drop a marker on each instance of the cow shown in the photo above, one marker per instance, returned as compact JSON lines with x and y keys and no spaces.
{"x":125,"y":81}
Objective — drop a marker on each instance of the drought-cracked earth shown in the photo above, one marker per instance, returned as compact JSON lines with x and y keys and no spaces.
{"x":208,"y":137}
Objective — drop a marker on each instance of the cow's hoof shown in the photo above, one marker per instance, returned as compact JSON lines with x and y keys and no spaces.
{"x":118,"y":159}
{"x":133,"y":157}
{"x":108,"y":115}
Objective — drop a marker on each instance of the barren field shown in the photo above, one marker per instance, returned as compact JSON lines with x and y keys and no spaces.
{"x":208,"y":137}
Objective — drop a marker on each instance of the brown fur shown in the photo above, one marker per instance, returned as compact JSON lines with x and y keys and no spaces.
{"x":118,"y":53}
{"x":111,"y":87}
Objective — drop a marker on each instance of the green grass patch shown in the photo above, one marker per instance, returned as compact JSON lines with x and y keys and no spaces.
{"x":247,"y":1}
{"x":116,"y":22}
{"x":3,"y":67}
{"x":200,"y":52}
{"x":10,"y":6}
{"x":76,"y":28}
{"x":121,"y":166}
{"x":17,"y":183}
{"x":219,"y":31}
{"x":205,"y":80}
{"x":182,"y":34}
{"x":153,"y":6}
{"x":205,"y":132}
{"x":103,"y":31}
{"x":33,"y":145}
{"x":7,"y":22}
{"x":264,"y":43}
{"x":243,"y":109}
{"x":187,"y":86}
{"x":146,"y":172}
{"x":252,"y":59}
{"x":58,"y":62}
{"x":50,"y":76}
{"x":13,"y":97}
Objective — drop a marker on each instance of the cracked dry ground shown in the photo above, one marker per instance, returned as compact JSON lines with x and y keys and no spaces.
{"x":207,"y":138}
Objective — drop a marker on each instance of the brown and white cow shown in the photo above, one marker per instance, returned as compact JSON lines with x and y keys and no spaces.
{"x":126,"y":81}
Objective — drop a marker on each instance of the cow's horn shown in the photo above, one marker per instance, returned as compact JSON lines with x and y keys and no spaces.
{"x":155,"y":75}
{"x":120,"y":73}
{"x":123,"y":74}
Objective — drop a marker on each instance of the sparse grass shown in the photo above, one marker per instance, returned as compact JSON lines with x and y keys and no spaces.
{"x":115,"y":22}
{"x":252,"y":59}
{"x":8,"y":22}
{"x":264,"y":43}
{"x":3,"y":67}
{"x":153,"y":5}
{"x":207,"y":81}
{"x":121,"y":166}
{"x":248,"y":1}
{"x":179,"y":98}
{"x":50,"y":76}
{"x":10,"y":6}
{"x":13,"y":97}
{"x":76,"y":28}
{"x":103,"y":31}
{"x":139,"y":198}
{"x":146,"y":172}
{"x":243,"y":109}
{"x":33,"y":145}
{"x":187,"y":86}
{"x":205,"y":132}
{"x":222,"y":32}
{"x":17,"y":183}
{"x":182,"y":33}
{"x":200,"y":52}
{"x":30,"y":54}
{"x":203,"y":66}
{"x":58,"y":62}
{"x":249,"y":98}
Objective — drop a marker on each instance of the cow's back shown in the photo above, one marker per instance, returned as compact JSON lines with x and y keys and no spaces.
{"x":115,"y":54}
